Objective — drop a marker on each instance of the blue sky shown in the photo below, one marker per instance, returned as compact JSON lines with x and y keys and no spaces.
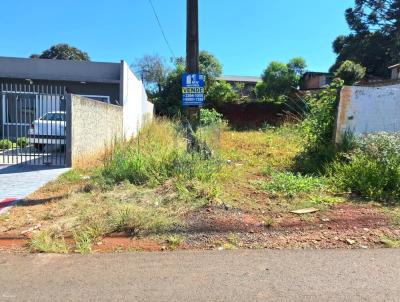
{"x":245,"y":35}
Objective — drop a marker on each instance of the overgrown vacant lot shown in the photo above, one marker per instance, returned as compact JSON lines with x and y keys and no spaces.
{"x":238,"y":192}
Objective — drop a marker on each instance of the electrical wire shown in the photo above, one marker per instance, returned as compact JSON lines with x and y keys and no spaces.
{"x":161,"y":29}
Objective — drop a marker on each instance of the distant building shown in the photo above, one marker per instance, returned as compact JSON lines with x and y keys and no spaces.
{"x":395,"y":72}
{"x":315,"y":80}
{"x":245,"y":85}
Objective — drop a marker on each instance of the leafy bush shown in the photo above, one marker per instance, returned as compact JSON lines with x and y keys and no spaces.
{"x":289,"y":184}
{"x":318,"y":127}
{"x":350,"y":72}
{"x":372,"y":169}
{"x":221,"y":92}
{"x":210,"y":117}
{"x":22,"y":142}
{"x":5,"y":144}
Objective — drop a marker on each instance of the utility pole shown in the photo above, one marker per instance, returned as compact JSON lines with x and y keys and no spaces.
{"x":192,"y":37}
{"x":192,"y":54}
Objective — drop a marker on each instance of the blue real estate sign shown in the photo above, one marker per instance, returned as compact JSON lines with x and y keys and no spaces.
{"x":193,"y":89}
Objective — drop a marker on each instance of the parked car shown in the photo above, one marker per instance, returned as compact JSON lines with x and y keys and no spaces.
{"x":48,"y":130}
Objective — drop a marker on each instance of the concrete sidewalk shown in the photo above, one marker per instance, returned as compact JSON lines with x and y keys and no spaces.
{"x":18,"y":181}
{"x":243,"y":275}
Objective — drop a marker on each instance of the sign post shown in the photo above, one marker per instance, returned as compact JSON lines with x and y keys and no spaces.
{"x":192,"y":81}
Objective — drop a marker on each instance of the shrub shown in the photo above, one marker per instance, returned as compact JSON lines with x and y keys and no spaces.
{"x":22,"y":142}
{"x":350,"y":72}
{"x":318,"y":127}
{"x":5,"y":144}
{"x":221,"y":92}
{"x":210,"y":117}
{"x":372,"y":169}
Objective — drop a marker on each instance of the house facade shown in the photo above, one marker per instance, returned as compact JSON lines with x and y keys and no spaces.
{"x":315,"y":80}
{"x":111,"y":83}
{"x":244,"y":85}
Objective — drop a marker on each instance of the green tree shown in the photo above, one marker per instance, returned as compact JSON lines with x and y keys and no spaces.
{"x":350,"y":72}
{"x":168,"y":101}
{"x":221,"y":92}
{"x":62,"y":52}
{"x":209,"y":66}
{"x":374,"y":41}
{"x":153,"y":70}
{"x":279,"y":79}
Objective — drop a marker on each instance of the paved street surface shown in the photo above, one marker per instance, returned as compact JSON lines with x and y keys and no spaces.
{"x":18,"y":181}
{"x":260,"y":275}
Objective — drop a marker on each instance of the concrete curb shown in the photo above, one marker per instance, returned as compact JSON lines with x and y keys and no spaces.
{"x":7,"y":204}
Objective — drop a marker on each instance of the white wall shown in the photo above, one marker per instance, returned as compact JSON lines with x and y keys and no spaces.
{"x":136,"y":107}
{"x":365,"y":110}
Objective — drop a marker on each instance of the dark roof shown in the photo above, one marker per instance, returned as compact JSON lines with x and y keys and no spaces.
{"x":318,"y":73}
{"x":243,"y":79}
{"x":59,"y":70}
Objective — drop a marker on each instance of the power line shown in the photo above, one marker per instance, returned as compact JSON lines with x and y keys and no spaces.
{"x":162,"y":30}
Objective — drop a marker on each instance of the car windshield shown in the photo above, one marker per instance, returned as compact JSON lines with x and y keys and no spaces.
{"x":60,"y":117}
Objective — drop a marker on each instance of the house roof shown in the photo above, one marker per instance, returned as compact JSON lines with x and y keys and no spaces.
{"x":317,"y":73}
{"x":394,"y":66}
{"x":243,"y":79}
{"x":59,"y":70}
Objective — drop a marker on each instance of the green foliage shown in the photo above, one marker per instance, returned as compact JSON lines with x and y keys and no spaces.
{"x":158,"y":154}
{"x":318,"y":127}
{"x":210,"y":117}
{"x":5,"y":144}
{"x":372,"y":169}
{"x":209,"y":66}
{"x":48,"y":242}
{"x":168,"y":101}
{"x":374,"y":41}
{"x":279,"y":80}
{"x":62,"y":52}
{"x":290,"y":185}
{"x":83,"y":241}
{"x":134,"y":220}
{"x":221,"y":92}
{"x":174,"y":241}
{"x":390,"y":242}
{"x":22,"y":142}
{"x":350,"y":72}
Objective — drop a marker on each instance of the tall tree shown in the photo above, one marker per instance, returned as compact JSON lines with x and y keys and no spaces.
{"x":280,"y":79}
{"x":374,"y":41}
{"x":153,"y":70}
{"x":62,"y":52}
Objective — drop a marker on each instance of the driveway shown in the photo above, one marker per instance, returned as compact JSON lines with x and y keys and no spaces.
{"x":243,"y":275}
{"x":18,"y":181}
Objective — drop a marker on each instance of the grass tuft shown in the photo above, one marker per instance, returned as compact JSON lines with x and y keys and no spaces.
{"x":289,"y":184}
{"x":48,"y":242}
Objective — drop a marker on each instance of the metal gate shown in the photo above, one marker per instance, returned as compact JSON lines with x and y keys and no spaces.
{"x":32,"y":124}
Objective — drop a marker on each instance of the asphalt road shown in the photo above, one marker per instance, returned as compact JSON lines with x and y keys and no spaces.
{"x":262,"y":275}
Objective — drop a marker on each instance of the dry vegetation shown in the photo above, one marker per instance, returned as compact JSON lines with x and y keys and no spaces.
{"x":242,"y":197}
